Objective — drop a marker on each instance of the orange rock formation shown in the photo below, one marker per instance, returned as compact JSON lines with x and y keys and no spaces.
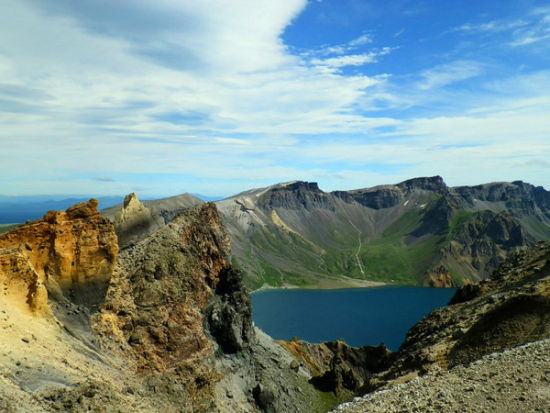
{"x":63,"y":253}
{"x":439,"y":277}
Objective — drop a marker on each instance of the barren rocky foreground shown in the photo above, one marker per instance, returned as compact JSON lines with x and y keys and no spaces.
{"x":516,"y":380}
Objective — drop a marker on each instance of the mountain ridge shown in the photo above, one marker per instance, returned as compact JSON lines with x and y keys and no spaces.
{"x":295,"y":234}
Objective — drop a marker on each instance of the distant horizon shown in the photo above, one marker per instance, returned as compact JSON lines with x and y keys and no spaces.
{"x":162,"y":98}
{"x":214,"y":198}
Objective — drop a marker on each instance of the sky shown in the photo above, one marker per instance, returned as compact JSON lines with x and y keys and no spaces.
{"x":219,"y":96}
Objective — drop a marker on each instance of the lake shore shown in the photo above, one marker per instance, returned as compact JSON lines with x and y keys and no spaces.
{"x":326,"y":284}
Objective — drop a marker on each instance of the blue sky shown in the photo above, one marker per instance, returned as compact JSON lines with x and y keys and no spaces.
{"x":218,"y":96}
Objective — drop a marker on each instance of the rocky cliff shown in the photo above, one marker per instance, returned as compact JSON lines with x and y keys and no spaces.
{"x":339,"y":368}
{"x":155,"y":302}
{"x":134,"y":220}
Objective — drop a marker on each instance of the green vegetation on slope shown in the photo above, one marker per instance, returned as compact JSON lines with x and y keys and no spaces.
{"x":279,"y":257}
{"x":389,"y":259}
{"x":286,"y":258}
{"x":458,"y":221}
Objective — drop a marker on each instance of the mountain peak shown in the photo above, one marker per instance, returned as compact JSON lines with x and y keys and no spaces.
{"x":431,"y":183}
{"x":131,"y":199}
{"x":297,"y":185}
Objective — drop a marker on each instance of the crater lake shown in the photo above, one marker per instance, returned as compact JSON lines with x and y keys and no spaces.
{"x":360,"y":316}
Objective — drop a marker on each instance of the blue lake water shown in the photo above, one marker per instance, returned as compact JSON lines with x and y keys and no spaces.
{"x":362,"y":316}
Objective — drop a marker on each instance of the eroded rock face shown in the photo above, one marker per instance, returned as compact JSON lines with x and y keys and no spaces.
{"x":229,"y":314}
{"x":154,"y":307}
{"x":296,"y":195}
{"x":388,"y":196}
{"x":485,"y":240}
{"x":72,"y":253}
{"x":340,"y":368}
{"x":173,"y":332}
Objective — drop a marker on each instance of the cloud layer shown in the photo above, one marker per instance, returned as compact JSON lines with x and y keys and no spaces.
{"x":169,"y":96}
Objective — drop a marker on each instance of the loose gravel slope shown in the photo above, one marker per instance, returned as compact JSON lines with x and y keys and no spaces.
{"x":516,"y":380}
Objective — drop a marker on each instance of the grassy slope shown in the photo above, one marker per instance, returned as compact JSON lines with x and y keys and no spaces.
{"x":280,"y":257}
{"x":287,"y":259}
{"x":389,"y":259}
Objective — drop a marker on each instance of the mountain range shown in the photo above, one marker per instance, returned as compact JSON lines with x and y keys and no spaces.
{"x":417,"y":232}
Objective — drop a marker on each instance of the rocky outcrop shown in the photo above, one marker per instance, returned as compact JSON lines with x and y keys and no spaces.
{"x":170,"y":329}
{"x":229,"y":313}
{"x":70,"y":253}
{"x":484,"y":240}
{"x":387,"y":196}
{"x":179,"y":314}
{"x":339,"y":368}
{"x":376,"y":198}
{"x":433,"y":184}
{"x":134,"y":221}
{"x":439,"y":277}
{"x":518,"y":198}
{"x":154,"y":307}
{"x":296,"y":195}
{"x":514,"y":380}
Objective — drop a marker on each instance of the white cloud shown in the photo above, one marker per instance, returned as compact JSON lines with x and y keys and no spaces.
{"x":445,"y":74}
{"x":536,"y":32}
{"x":531,"y":36}
{"x":361,"y":40}
{"x":347,"y":60}
{"x":95,"y":94}
{"x":490,"y":27}
{"x":533,"y":27}
{"x":232,"y":141}
{"x":339,"y":49}
{"x":399,"y":33}
{"x":217,"y":67}
{"x":351,"y":59}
